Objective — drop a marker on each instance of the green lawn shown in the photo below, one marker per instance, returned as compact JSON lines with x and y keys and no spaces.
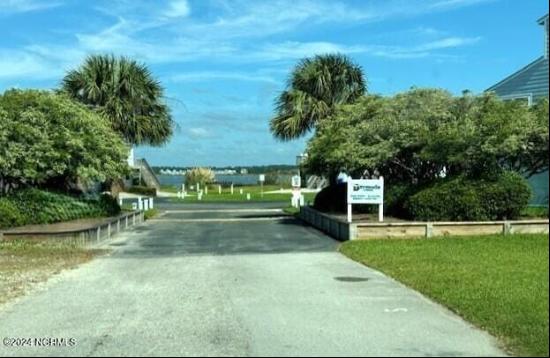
{"x":499,"y":283}
{"x":255,"y":192}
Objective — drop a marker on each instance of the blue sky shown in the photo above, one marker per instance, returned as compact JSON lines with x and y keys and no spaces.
{"x":222,"y":62}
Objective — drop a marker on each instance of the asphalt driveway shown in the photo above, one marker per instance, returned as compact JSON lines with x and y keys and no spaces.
{"x":255,"y":285}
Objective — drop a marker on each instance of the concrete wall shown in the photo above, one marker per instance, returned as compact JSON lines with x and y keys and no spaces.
{"x":83,"y":237}
{"x":341,"y":230}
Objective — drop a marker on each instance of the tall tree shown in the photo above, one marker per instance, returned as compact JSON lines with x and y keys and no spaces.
{"x":48,"y":138}
{"x":125,"y":92}
{"x":317,"y":85}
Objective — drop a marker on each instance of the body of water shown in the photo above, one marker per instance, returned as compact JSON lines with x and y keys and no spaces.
{"x":237,"y":179}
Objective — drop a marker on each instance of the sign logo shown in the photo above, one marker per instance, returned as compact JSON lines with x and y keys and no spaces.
{"x":366,"y":191}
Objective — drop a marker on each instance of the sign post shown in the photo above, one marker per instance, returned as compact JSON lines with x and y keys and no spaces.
{"x":296,"y":191}
{"x":262,"y":179}
{"x":366,"y":191}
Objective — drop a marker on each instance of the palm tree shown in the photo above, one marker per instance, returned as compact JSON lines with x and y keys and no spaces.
{"x":317,"y":85}
{"x":126,"y":93}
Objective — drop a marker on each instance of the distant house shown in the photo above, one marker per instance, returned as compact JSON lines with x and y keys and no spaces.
{"x":530,"y":84}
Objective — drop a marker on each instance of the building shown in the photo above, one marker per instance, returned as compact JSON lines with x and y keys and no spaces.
{"x":530,"y":84}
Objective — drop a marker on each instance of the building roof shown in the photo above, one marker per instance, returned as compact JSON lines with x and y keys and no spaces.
{"x":532,"y":80}
{"x":542,"y":19}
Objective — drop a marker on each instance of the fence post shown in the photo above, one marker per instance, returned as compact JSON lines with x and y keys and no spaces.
{"x":429,"y":229}
{"x":507,"y":228}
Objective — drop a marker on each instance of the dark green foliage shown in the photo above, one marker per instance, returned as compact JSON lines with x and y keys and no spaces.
{"x":466,"y":199}
{"x":46,"y":139}
{"x":142,"y":190}
{"x":334,"y":199}
{"x":33,"y":206}
{"x":9,"y":214}
{"x":109,"y":205}
{"x":395,"y":197}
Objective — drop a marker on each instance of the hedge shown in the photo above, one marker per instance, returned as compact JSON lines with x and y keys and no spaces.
{"x":143,"y":190}
{"x":33,"y":206}
{"x":463,"y":199}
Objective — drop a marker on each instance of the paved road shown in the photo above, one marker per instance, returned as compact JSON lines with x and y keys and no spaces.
{"x":252,"y":286}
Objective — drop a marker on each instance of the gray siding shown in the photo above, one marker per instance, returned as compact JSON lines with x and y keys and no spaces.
{"x":530,"y":80}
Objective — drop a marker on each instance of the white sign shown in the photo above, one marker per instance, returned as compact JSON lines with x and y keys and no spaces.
{"x":296,"y":181}
{"x":262,"y":178}
{"x":366,"y":191}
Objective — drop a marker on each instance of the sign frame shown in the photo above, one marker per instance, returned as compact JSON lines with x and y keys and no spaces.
{"x":372,"y":193}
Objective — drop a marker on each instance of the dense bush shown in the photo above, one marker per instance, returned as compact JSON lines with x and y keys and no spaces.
{"x":142,"y":190}
{"x":48,"y":139}
{"x":9,"y":214}
{"x":395,"y":197}
{"x":109,"y":205}
{"x":33,"y":206}
{"x":466,"y":199}
{"x":334,"y":199}
{"x":331,"y":199}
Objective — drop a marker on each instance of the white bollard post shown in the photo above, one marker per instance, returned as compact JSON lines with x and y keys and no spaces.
{"x":220,"y":189}
{"x":140,"y":203}
{"x":241,"y":191}
{"x":150,"y":203}
{"x":198,"y":187}
{"x":247,"y":196}
{"x":134,"y":206}
{"x":302,"y":200}
{"x":231,"y":188}
{"x":206,"y":190}
{"x":199,"y":195}
{"x":145,"y":204}
{"x":182,"y":188}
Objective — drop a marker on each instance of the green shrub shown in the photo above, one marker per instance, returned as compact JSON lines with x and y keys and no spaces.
{"x":9,"y":214}
{"x":331,"y":199}
{"x":143,"y":190}
{"x":395,"y":197}
{"x":466,"y":199}
{"x":33,"y":206}
{"x":151,"y":213}
{"x":109,"y":205}
{"x":334,"y":199}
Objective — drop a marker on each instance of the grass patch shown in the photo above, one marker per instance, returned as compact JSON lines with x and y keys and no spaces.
{"x":291,"y":210}
{"x":255,"y":192}
{"x":499,"y":283}
{"x":151,"y":213}
{"x":25,"y":262}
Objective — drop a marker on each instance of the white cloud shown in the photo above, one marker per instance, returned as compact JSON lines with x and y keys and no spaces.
{"x":178,"y":8}
{"x":17,"y":64}
{"x":18,"y":6}
{"x":221,"y":75}
{"x":200,"y":133}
